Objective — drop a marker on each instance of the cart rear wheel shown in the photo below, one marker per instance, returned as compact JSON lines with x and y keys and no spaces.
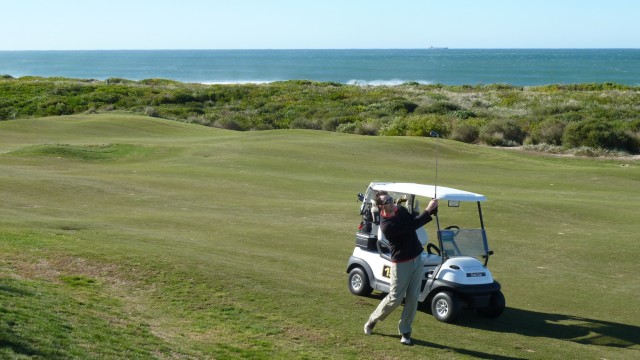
{"x":359,"y":282}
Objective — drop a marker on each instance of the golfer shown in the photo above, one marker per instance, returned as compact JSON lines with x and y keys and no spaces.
{"x":398,"y":226}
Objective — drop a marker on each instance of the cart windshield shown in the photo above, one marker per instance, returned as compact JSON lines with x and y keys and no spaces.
{"x":464,"y":242}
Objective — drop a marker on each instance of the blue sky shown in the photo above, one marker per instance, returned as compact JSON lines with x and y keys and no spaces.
{"x":318,"y":24}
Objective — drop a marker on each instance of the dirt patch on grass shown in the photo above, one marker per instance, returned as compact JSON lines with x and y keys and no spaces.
{"x":52,"y":268}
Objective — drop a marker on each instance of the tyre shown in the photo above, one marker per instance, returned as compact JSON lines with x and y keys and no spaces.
{"x":359,"y":282}
{"x":446,"y":307}
{"x":497,"y":303}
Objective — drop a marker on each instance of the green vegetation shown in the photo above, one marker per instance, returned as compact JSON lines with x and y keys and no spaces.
{"x":603,"y":117}
{"x":183,"y":241}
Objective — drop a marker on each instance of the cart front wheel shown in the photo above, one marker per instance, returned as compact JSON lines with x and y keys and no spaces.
{"x":445,"y":307}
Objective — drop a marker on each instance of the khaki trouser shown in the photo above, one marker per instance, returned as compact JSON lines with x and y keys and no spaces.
{"x":406,"y":278}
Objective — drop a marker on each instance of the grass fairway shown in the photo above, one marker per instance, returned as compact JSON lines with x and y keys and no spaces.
{"x":126,"y":236}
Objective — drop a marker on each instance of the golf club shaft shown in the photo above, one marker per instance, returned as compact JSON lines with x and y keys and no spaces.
{"x":435,"y":184}
{"x":435,"y":191}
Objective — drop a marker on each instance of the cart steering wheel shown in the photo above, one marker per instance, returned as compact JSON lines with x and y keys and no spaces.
{"x":456,"y":229}
{"x":433,"y":249}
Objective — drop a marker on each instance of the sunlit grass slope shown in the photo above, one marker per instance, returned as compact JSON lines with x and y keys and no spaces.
{"x":124,"y":236}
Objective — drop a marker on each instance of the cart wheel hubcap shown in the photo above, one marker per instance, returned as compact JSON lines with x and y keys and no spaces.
{"x":356,"y":282}
{"x":442,"y":307}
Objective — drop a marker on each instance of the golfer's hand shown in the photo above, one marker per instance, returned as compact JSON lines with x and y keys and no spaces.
{"x":433,"y":205}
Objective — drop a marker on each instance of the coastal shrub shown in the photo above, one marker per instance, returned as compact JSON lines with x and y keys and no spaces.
{"x":437,"y":96}
{"x":502,"y":133}
{"x":346,"y":128}
{"x":199,"y":120}
{"x":554,"y":109}
{"x":463,"y":114}
{"x":404,"y":106}
{"x":305,"y":123}
{"x":481,"y":104}
{"x":118,"y":81}
{"x":390,"y":107}
{"x":159,"y":82}
{"x":465,"y":132}
{"x":600,"y":134}
{"x":330,"y":124}
{"x":151,"y":111}
{"x":7,"y":112}
{"x":54,"y":107}
{"x":260,"y":127}
{"x":548,"y":131}
{"x":438,"y":107}
{"x":367,"y":128}
{"x":502,"y":87}
{"x":550,"y":149}
{"x":606,"y":86}
{"x":181,"y":97}
{"x":424,"y":125}
{"x":229,"y":124}
{"x":509,"y":98}
{"x":397,"y":127}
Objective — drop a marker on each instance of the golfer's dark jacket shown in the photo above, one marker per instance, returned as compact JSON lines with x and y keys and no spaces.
{"x":400,"y":231}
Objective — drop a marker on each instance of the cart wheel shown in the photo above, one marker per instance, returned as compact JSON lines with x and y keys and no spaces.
{"x":445,"y":307}
{"x":359,"y":282}
{"x":497,"y":304}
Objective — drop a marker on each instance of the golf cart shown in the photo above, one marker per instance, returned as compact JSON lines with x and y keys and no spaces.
{"x":455,"y":272}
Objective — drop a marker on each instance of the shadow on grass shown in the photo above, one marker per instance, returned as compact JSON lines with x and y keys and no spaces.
{"x":472,"y":353}
{"x":10,"y":342}
{"x":556,"y":326}
{"x":418,"y":342}
{"x":16,"y":345}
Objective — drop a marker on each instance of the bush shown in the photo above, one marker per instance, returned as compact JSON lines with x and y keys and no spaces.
{"x":549,"y":131}
{"x":555,"y":109}
{"x":330,"y":124}
{"x":465,"y":132}
{"x":463,"y":114}
{"x":367,"y":128}
{"x":502,"y":133}
{"x":438,"y":107}
{"x":398,"y":127}
{"x":350,"y":109}
{"x":151,"y":111}
{"x":228,"y":124}
{"x":304,"y":123}
{"x":347,"y":128}
{"x":600,"y":134}
{"x":424,"y":125}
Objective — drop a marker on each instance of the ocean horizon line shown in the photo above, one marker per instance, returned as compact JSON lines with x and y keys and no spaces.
{"x":329,"y":49}
{"x":381,"y":82}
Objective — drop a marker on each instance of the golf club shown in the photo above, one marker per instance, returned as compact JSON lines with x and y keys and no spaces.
{"x":436,"y":135}
{"x":435,"y":191}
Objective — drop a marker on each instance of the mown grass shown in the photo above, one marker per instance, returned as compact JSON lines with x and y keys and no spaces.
{"x":221,"y":244}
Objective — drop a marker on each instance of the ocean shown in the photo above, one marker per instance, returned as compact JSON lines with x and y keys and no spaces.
{"x":519,"y":67}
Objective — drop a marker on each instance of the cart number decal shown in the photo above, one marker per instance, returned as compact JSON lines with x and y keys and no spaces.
{"x":476,"y":274}
{"x":386,"y":271}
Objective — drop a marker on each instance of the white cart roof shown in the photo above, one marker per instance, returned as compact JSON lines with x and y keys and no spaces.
{"x":442,"y":192}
